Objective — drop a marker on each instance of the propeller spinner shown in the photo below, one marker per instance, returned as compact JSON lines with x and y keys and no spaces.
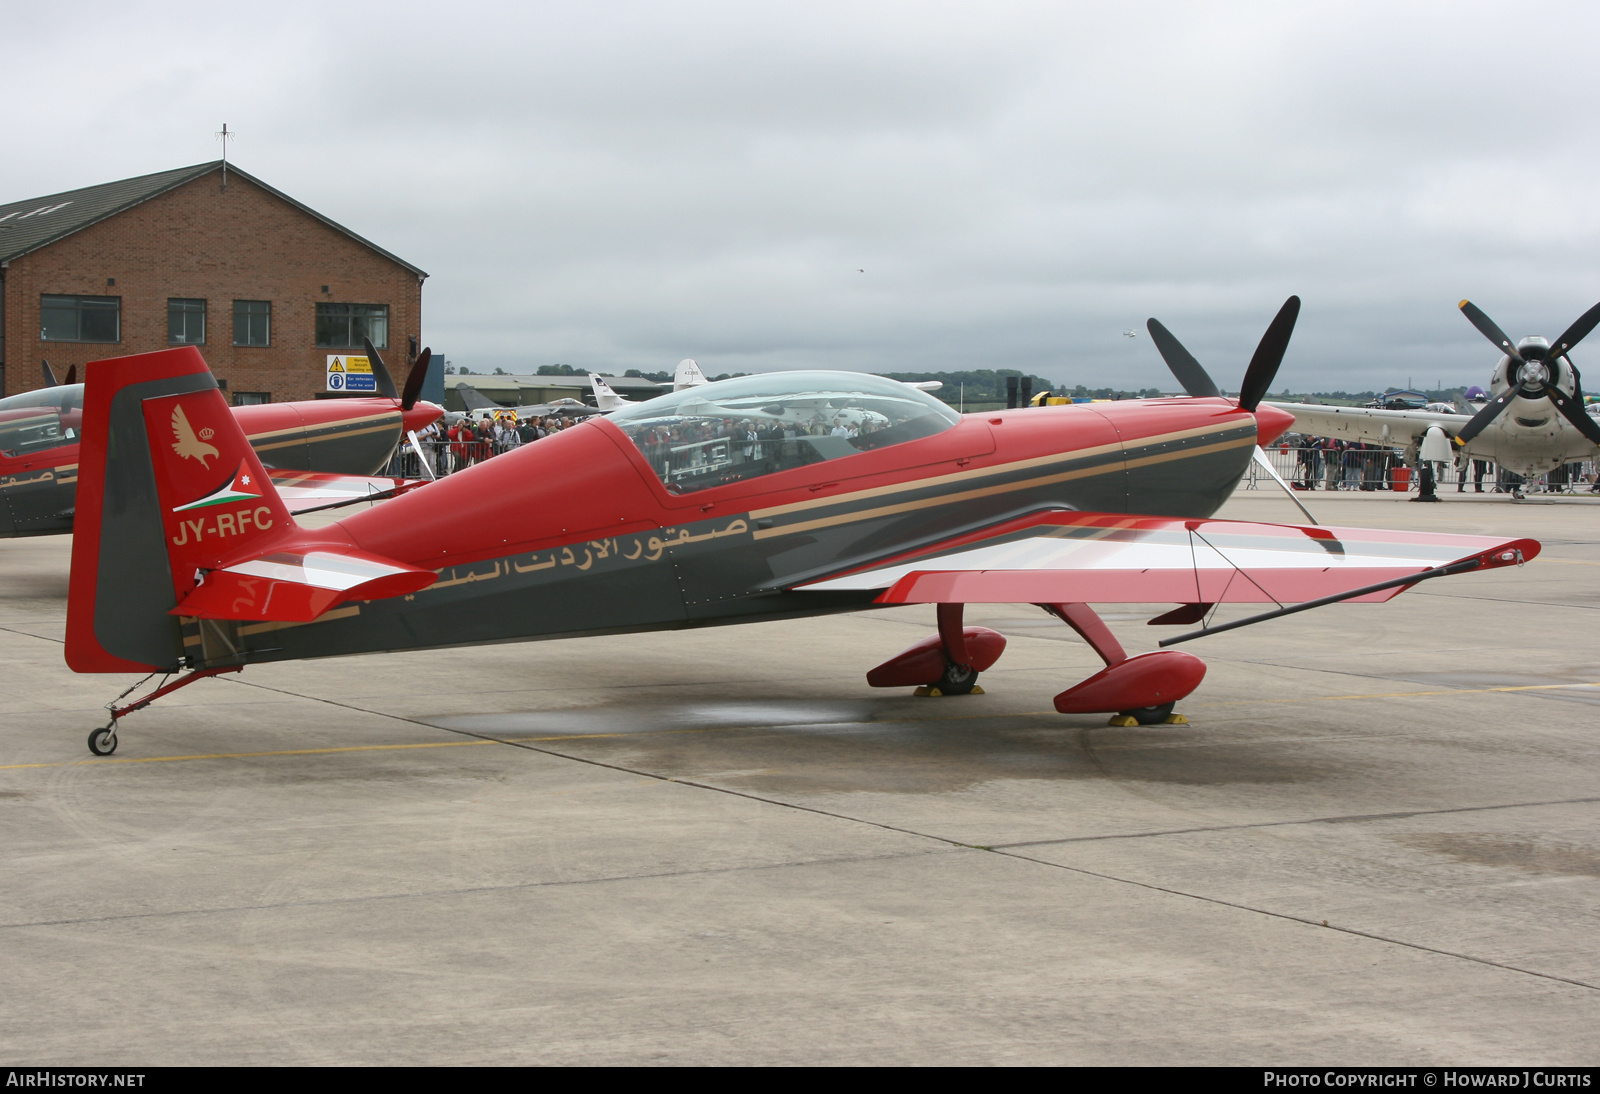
{"x":1533,"y":374}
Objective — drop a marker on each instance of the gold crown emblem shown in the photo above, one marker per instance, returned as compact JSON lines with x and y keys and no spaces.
{"x":207,"y":433}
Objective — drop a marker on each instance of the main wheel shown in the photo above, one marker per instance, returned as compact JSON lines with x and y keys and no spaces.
{"x":957,"y":679}
{"x":1149,"y":716}
{"x":103,"y":741}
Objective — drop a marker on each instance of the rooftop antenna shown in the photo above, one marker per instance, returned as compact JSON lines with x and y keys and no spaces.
{"x":224,"y":136}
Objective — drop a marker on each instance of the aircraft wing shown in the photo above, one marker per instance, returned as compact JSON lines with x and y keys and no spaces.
{"x":561,"y":408}
{"x":1395,"y":427}
{"x":316,"y":489}
{"x":1097,"y":558}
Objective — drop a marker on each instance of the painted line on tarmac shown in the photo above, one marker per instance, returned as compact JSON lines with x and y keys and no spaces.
{"x":531,"y":746}
{"x":1017,"y":855}
{"x":327,"y":751}
{"x":30,"y":634}
{"x":1396,"y":694}
{"x":487,"y":740}
{"x":1352,"y":818}
{"x":1303,"y":920}
{"x":478,"y":890}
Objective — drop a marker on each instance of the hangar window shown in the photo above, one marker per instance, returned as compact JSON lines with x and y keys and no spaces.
{"x":756,"y":425}
{"x":252,"y":323}
{"x":80,"y":318}
{"x":186,"y":322}
{"x":346,"y":325}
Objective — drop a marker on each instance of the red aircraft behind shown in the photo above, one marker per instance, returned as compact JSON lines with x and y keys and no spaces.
{"x":763,"y":497}
{"x":319,"y":450}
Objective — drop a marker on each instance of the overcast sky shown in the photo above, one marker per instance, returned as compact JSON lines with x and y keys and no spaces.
{"x":619,"y":185}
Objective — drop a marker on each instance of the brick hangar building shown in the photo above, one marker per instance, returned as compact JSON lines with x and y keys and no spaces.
{"x":207,"y":256}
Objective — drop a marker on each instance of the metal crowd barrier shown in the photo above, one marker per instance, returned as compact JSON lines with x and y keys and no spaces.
{"x":1386,"y":469}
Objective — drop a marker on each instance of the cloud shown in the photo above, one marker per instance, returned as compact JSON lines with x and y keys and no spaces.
{"x":622,"y":185}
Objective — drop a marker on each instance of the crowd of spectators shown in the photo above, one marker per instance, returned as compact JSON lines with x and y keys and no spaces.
{"x":469,"y":440}
{"x":1328,"y":463}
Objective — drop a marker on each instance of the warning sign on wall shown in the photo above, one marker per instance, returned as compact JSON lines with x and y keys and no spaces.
{"x":350,"y":374}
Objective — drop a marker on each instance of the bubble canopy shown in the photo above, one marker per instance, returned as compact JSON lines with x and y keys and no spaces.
{"x":37,"y":420}
{"x":739,"y":429}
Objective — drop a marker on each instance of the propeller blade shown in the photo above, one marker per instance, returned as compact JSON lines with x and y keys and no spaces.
{"x":49,"y":374}
{"x":1269,"y":355}
{"x":72,"y":375}
{"x":1190,"y":375}
{"x":414,"y":381}
{"x":380,"y":372}
{"x":1261,"y":458}
{"x":416,"y":446}
{"x":1573,"y":409}
{"x":1575,"y":333}
{"x":1482,"y":418}
{"x":1493,"y":333}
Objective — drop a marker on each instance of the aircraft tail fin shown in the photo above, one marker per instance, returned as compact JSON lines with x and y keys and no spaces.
{"x":688,"y":375}
{"x":176,"y":517}
{"x":604,"y":397}
{"x":473,"y":399}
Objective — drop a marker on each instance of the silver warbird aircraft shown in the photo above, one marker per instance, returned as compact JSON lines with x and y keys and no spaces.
{"x":1533,"y":422}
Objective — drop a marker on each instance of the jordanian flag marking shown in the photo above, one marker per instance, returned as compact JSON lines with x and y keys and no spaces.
{"x":239,"y":488}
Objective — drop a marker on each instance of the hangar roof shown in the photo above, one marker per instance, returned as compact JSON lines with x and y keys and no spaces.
{"x":38,"y":222}
{"x":622,"y":385}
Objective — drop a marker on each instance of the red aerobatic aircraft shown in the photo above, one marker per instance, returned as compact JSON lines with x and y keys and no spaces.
{"x":323,"y":450}
{"x":763,"y":497}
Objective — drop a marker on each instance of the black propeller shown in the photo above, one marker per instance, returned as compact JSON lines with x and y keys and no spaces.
{"x":414,"y":382}
{"x":1257,"y":378}
{"x":380,"y":372}
{"x":1189,"y":372}
{"x":414,"y":379}
{"x":1269,"y":355}
{"x":72,"y":375}
{"x":1533,"y":373}
{"x":1576,"y":333}
{"x":49,"y":374}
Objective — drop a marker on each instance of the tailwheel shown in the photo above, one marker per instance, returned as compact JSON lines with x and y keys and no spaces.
{"x":103,"y":741}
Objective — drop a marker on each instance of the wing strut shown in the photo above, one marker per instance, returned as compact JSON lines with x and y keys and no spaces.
{"x":1261,"y":458}
{"x":1410,"y":579}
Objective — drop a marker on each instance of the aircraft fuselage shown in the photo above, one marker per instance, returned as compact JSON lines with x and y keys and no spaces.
{"x":576,"y":535}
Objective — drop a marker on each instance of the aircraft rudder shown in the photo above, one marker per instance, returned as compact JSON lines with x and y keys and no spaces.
{"x":168,"y":485}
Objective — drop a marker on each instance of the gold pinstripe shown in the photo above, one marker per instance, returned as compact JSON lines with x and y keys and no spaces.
{"x":253,"y":437}
{"x":339,"y":436}
{"x":1003,"y":488}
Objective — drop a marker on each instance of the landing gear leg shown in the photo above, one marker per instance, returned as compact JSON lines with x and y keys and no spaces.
{"x":103,"y":741}
{"x":1426,"y":493}
{"x":946,"y":663}
{"x":1137,"y":690}
{"x":959,"y":678}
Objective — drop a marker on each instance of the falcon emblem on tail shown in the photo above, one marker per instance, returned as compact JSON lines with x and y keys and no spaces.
{"x":184,"y":441}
